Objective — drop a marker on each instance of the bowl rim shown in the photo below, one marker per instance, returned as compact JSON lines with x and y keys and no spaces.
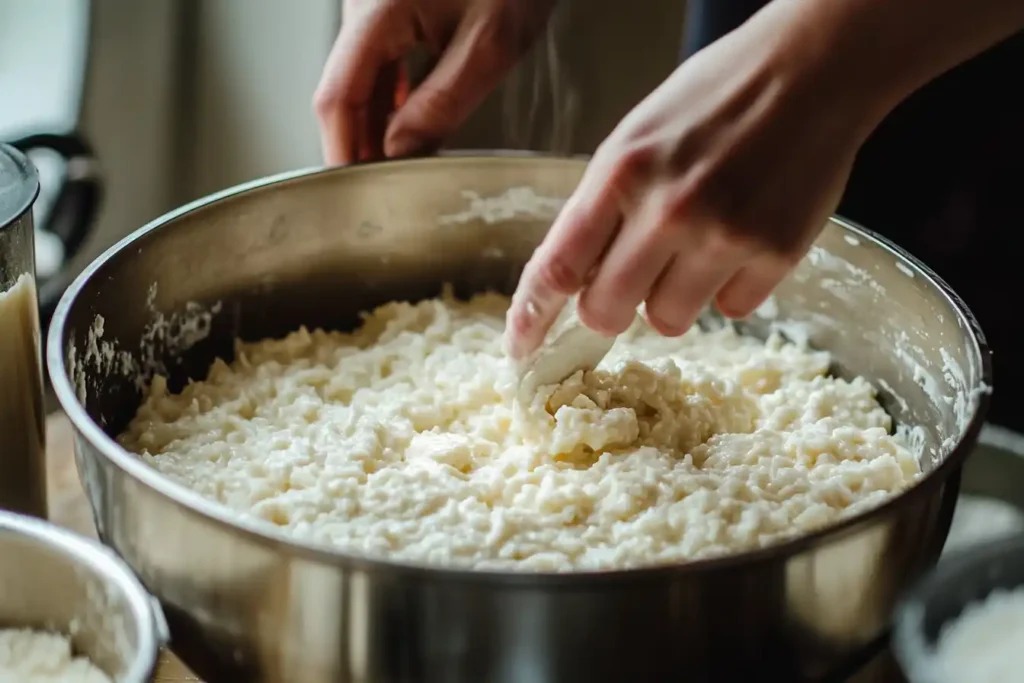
{"x":102,"y":561}
{"x":269,"y":537}
{"x":910,"y":645}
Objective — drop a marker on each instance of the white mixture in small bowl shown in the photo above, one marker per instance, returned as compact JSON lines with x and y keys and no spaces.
{"x":985,"y":644}
{"x":28,"y":656}
{"x":404,"y":440}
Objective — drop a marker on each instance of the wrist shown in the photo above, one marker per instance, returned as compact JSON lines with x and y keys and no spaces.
{"x":826,"y":56}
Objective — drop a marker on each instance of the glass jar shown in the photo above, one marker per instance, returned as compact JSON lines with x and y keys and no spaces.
{"x":22,"y":417}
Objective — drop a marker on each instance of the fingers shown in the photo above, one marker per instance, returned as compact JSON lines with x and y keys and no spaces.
{"x":751,"y":285}
{"x":359,"y":99}
{"x":374,"y":118}
{"x":473,"y":64}
{"x":688,"y":283}
{"x":560,"y":266}
{"x":351,"y":95}
{"x":626,"y":275}
{"x":676,"y":266}
{"x":333,"y":99}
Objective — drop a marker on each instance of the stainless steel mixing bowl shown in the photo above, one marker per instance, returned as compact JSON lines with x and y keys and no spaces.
{"x":316,"y":247}
{"x":53,"y":580}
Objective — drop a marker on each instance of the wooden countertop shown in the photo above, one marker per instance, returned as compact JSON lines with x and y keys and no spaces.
{"x":70,"y":509}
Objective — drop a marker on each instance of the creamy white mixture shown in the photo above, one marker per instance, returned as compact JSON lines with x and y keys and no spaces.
{"x":985,"y":644}
{"x":404,"y":439}
{"x":28,"y":656}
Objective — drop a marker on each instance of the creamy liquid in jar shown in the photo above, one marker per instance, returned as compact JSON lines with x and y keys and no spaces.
{"x":22,"y":420}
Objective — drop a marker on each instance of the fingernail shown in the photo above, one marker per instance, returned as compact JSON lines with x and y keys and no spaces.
{"x":517,"y":322}
{"x":401,"y":145}
{"x":511,"y":347}
{"x":514,"y":347}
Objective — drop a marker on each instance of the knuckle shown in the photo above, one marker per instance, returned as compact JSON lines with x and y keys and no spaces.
{"x":720,"y":242}
{"x":662,"y":324}
{"x":333,"y":94}
{"x":325,"y":102}
{"x":665,"y":222}
{"x":556,"y":274}
{"x":670,"y":212}
{"x":735,"y":307}
{"x":632,"y":164}
{"x":599,"y":317}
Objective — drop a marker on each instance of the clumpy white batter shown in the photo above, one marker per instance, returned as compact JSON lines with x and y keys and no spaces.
{"x":404,"y":439}
{"x":984,"y":644}
{"x":28,"y":656}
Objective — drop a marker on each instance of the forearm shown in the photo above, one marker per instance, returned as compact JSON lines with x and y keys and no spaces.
{"x":881,"y":51}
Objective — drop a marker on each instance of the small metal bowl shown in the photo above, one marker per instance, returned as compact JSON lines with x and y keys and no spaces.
{"x":961,"y":579}
{"x":54,"y":580}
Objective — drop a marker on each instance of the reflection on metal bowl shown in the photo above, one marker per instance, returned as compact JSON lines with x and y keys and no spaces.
{"x":52,"y":580}
{"x":991,"y":504}
{"x":316,"y":248}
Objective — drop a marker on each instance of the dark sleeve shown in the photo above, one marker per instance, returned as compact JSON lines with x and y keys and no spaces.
{"x":708,"y":20}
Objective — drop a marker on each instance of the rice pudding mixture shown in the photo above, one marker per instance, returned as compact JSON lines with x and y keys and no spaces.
{"x":28,"y":656}
{"x":404,"y":439}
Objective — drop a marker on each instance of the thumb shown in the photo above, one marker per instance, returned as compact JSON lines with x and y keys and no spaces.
{"x":473,"y":64}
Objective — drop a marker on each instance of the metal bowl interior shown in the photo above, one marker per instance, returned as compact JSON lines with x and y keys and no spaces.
{"x":316,"y":248}
{"x":934,"y":603}
{"x":53,"y":580}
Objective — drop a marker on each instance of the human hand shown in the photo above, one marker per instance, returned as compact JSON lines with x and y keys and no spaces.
{"x":362,"y":103}
{"x":712,"y":188}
